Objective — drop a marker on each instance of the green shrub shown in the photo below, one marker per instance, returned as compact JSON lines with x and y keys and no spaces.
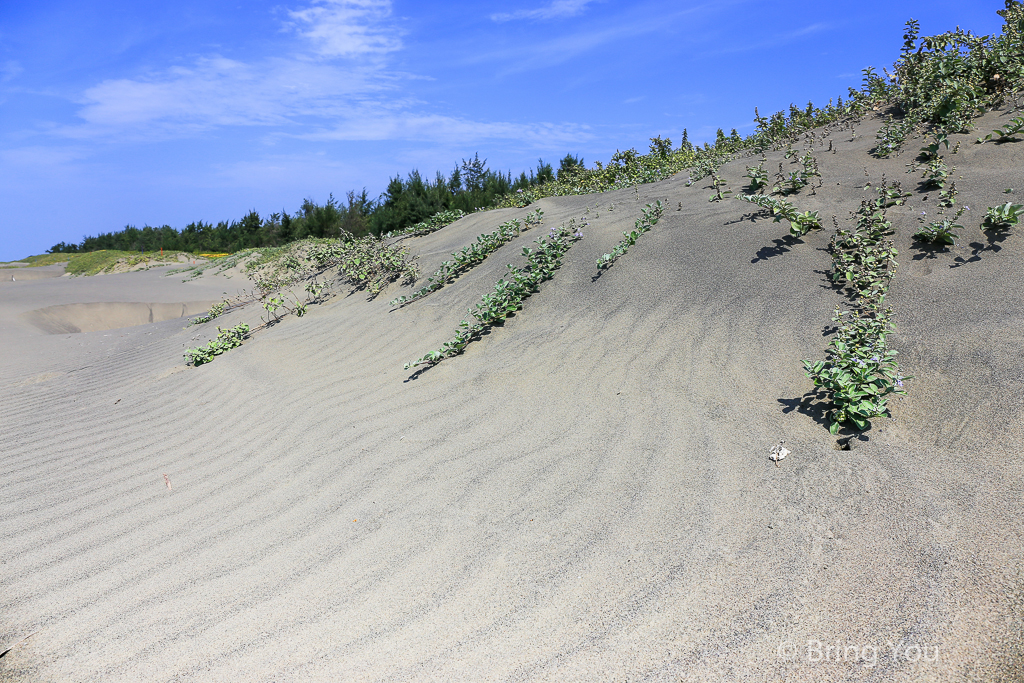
{"x":940,"y":232}
{"x":215,"y":311}
{"x":859,"y":371}
{"x":758,"y":178}
{"x":225,"y":341}
{"x":946,"y":79}
{"x":471,"y":256}
{"x":508,"y":295}
{"x":719,"y":193}
{"x":800,"y":223}
{"x":650,"y":217}
{"x":1004,"y":216}
{"x":432,"y":224}
{"x":367,"y":262}
{"x":1007,"y":132}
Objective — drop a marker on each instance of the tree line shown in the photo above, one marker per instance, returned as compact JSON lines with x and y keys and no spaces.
{"x":406,"y":201}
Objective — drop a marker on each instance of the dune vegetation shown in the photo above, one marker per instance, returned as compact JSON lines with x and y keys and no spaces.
{"x":108,"y":260}
{"x":937,"y":88}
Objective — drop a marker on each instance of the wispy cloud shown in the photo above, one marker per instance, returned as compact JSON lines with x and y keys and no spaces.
{"x":42,"y":157}
{"x":632,"y":23}
{"x":347,"y":28}
{"x":289,"y":96}
{"x":9,"y":70}
{"x":336,"y":84}
{"x":772,"y":41}
{"x":215,"y":91}
{"x":556,"y":10}
{"x":335,"y":68}
{"x":445,"y":129}
{"x":561,"y":49}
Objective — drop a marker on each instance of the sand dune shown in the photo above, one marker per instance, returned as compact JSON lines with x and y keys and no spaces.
{"x":97,"y":316}
{"x":12,"y":274}
{"x":583,"y":495}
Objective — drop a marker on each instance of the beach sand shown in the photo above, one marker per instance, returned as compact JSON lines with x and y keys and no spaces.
{"x":584,"y":495}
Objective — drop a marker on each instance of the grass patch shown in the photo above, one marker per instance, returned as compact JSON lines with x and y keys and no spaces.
{"x":41,"y":260}
{"x":96,"y":262}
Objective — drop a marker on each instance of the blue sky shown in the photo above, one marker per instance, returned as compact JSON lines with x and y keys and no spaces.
{"x":116,"y":113}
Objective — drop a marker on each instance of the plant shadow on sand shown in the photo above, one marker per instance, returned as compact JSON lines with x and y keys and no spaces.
{"x":812,"y":404}
{"x":928,"y":250}
{"x":993,"y":237}
{"x":829,"y":284}
{"x":779,"y":247}
{"x":476,"y":337}
{"x":815,"y":405}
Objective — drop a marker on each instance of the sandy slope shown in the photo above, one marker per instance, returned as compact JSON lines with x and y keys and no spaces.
{"x":583,"y":495}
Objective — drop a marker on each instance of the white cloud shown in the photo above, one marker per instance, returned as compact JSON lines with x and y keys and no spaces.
{"x":334,"y":71}
{"x":562,"y":48}
{"x":290,"y":97}
{"x":382,"y":125}
{"x":347,"y":28}
{"x":335,"y":86}
{"x":557,"y":9}
{"x":218,"y":92}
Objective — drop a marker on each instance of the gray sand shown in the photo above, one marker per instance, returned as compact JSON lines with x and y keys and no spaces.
{"x":583,"y":495}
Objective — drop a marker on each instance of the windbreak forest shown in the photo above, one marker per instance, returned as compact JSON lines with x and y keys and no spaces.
{"x":406,"y":201}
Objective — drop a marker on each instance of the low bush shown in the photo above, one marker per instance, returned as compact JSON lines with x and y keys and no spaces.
{"x":509,"y":294}
{"x":758,"y":178}
{"x":215,"y":311}
{"x":1006,"y":133}
{"x":800,"y":223}
{"x":1004,"y":216}
{"x":432,"y":224}
{"x":471,"y":256}
{"x":225,"y":341}
{"x":859,"y":371}
{"x":366,"y":262}
{"x":650,"y":217}
{"x":942,"y":231}
{"x":946,"y":79}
